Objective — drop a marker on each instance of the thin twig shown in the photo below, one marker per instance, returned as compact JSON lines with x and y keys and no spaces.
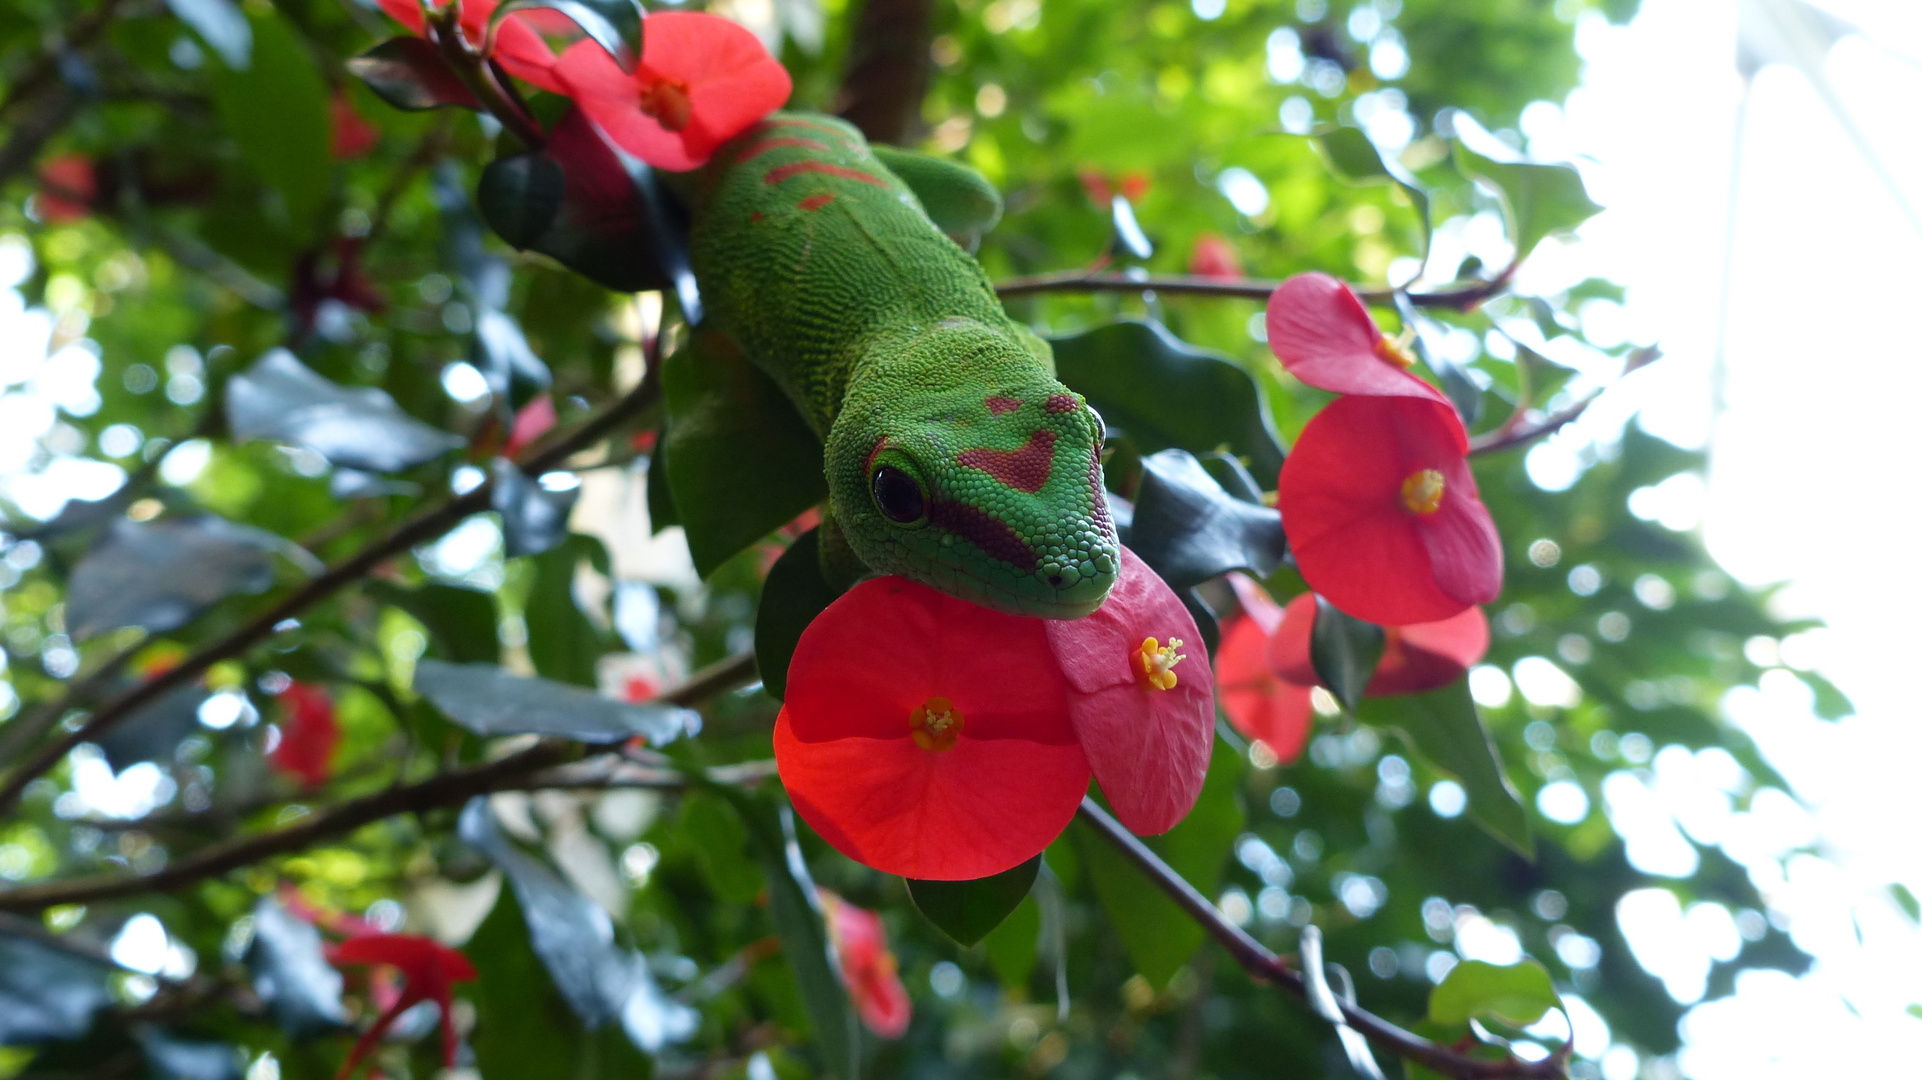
{"x":1464,"y":298}
{"x":1518,"y":430}
{"x":1256,"y":959}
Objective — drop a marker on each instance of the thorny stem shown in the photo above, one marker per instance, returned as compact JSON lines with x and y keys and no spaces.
{"x":472,"y":66}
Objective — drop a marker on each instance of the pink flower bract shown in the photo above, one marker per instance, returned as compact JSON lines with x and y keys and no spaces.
{"x":518,"y":46}
{"x":1322,"y":334}
{"x":868,"y":969}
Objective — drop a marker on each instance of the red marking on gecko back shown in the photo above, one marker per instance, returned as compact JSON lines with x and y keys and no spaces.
{"x":754,"y":150}
{"x":755,"y":216}
{"x":1025,"y":469}
{"x":816,"y":201}
{"x":999,"y":403}
{"x":1061,"y":403}
{"x":796,"y":168}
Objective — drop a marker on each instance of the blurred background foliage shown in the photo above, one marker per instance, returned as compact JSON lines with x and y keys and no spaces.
{"x":245,"y":194}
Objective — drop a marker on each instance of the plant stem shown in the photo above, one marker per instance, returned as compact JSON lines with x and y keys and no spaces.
{"x":1464,"y":298}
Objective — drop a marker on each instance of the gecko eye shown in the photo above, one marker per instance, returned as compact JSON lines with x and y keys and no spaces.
{"x":1100,"y":427}
{"x":898,"y":495}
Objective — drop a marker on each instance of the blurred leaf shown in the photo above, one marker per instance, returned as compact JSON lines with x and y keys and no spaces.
{"x":1538,"y":200}
{"x":1159,"y":936}
{"x":46,"y":994}
{"x":740,"y":459}
{"x":563,"y":642}
{"x":967,"y":910}
{"x":410,"y":73}
{"x":152,"y":733}
{"x":291,"y":974}
{"x":180,"y":1059}
{"x":277,"y":110}
{"x":1910,"y":905}
{"x":1344,"y":651}
{"x":489,"y":701}
{"x":221,"y":25}
{"x":282,"y":399}
{"x":961,"y":201}
{"x":795,"y":910}
{"x":1517,"y":994}
{"x":574,"y":939}
{"x":158,"y":575}
{"x":1356,"y":158}
{"x":615,"y":25}
{"x":1443,"y":727}
{"x":1189,"y":529}
{"x":794,"y":593}
{"x":533,"y":519}
{"x":1014,"y":945}
{"x":1541,"y":377}
{"x":463,"y":622}
{"x":1162,"y":392}
{"x":1127,"y":230}
{"x":720,"y":842}
{"x":1230,"y":473}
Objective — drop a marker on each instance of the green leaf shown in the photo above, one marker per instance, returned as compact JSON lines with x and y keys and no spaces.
{"x":720,"y":843}
{"x":740,"y":460}
{"x":967,"y":910}
{"x":409,"y":73}
{"x":615,"y":25}
{"x":1538,"y":200}
{"x":795,"y":592}
{"x":1158,"y":935}
{"x":1163,"y":392}
{"x":563,"y":643}
{"x":463,"y":622}
{"x":1517,"y":995}
{"x":1013,"y":946}
{"x":1352,"y":155}
{"x":221,"y":25}
{"x":1444,"y":728}
{"x":961,"y":201}
{"x":795,"y":910}
{"x":277,"y":111}
{"x":1344,"y":651}
{"x":1190,"y":529}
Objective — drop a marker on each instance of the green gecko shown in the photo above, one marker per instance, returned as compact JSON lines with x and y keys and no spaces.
{"x":954,"y":457}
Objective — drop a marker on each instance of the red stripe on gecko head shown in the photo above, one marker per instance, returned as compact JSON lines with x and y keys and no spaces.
{"x":1025,"y":469}
{"x":1061,"y":403}
{"x":783,"y":172}
{"x":983,"y":530}
{"x":816,"y":201}
{"x":999,"y":403}
{"x":754,"y":150}
{"x":880,"y":444}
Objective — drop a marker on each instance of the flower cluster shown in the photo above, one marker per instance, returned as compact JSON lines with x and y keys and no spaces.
{"x":868,"y":968}
{"x":931,"y":738}
{"x":1268,"y":679}
{"x":309,"y":733}
{"x":1381,"y":509}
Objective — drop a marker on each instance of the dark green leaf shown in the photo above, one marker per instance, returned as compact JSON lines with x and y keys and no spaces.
{"x":1538,"y":200}
{"x":1189,"y":529}
{"x":488,"y":700}
{"x":1541,"y":378}
{"x":794,"y":593}
{"x":1355,"y":157}
{"x":277,"y":111}
{"x":1162,"y":392}
{"x":1013,"y":946}
{"x":720,"y":842}
{"x":280,"y":398}
{"x":221,"y":25}
{"x":615,"y":25}
{"x":563,"y":642}
{"x":519,"y":196}
{"x":533,"y":519}
{"x":409,"y":73}
{"x":158,"y":575}
{"x":740,"y":459}
{"x":291,"y":975}
{"x":967,"y":910}
{"x":463,"y":622}
{"x":1516,"y":995}
{"x":46,"y":994}
{"x":1443,"y":727}
{"x":1344,"y":650}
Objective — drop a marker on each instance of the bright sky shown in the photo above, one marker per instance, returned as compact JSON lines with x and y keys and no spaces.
{"x":1813,"y":478}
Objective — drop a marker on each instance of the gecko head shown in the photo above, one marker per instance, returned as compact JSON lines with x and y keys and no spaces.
{"x":990,"y":492}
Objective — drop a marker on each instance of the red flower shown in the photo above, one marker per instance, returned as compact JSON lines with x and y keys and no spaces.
{"x":1415,"y":658}
{"x":1214,"y":257}
{"x":67,"y":189}
{"x":868,"y":969}
{"x":353,"y":135}
{"x":431,"y":970}
{"x":308,"y":734}
{"x":1323,"y":335}
{"x":927,"y":737}
{"x":1141,"y":697}
{"x":1260,"y":704}
{"x":1383,"y":515}
{"x":701,"y":81}
{"x":535,"y":419}
{"x":518,"y":47}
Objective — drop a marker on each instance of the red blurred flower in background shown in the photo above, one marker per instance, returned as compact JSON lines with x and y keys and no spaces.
{"x":68,"y":188}
{"x":701,"y":81}
{"x":868,"y":968}
{"x":430,"y":968}
{"x":518,"y":46}
{"x":353,"y":136}
{"x":1140,"y":697}
{"x":535,"y":419}
{"x":1383,"y":514}
{"x":1322,"y":334}
{"x":309,"y":733}
{"x":1259,"y":703}
{"x":1214,"y":257}
{"x":1414,"y":659}
{"x":927,"y":737}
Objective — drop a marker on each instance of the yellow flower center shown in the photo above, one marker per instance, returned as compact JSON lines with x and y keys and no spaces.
{"x":1421,"y":493}
{"x":935,"y":725}
{"x":667,"y":102}
{"x":1396,"y":350}
{"x":1154,"y":663}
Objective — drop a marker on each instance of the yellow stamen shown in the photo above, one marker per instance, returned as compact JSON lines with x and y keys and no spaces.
{"x":1154,"y":663}
{"x":667,"y":102}
{"x":1397,"y":351}
{"x":935,"y":725}
{"x":1421,"y":493}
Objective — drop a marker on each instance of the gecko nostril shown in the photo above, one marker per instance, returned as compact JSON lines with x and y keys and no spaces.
{"x":1054,"y":580}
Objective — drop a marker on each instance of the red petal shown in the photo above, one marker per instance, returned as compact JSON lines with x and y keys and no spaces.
{"x":1429,"y":656}
{"x":1288,"y":649}
{"x":978,"y":809}
{"x":1461,"y":540}
{"x":1255,"y":601}
{"x":1258,"y":704}
{"x":731,"y":80}
{"x":889,"y":644}
{"x":1323,"y":335}
{"x":407,"y":13}
{"x":525,"y":55}
{"x":1148,"y":747}
{"x":611,"y":99}
{"x":1340,"y":499}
